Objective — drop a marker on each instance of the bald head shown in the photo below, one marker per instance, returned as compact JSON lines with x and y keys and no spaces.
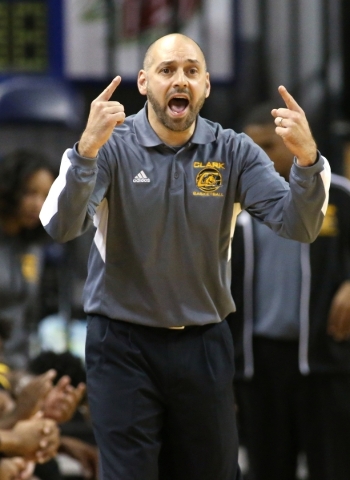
{"x":173,"y":41}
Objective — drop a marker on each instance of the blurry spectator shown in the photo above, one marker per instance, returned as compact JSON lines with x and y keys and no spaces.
{"x":77,"y":439}
{"x":27,"y":438}
{"x":25,"y":179}
{"x":291,"y":333}
{"x":32,"y":403}
{"x":36,"y":406}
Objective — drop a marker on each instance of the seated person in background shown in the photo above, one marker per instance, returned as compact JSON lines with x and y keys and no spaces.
{"x":31,"y":407}
{"x":29,"y":426}
{"x":25,"y":179}
{"x":27,"y":438}
{"x":77,"y":439}
{"x":292,"y":334}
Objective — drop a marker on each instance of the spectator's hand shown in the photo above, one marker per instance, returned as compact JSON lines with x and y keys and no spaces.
{"x":339,"y":314}
{"x":293,"y":127}
{"x":16,"y":468}
{"x":30,"y":393}
{"x":31,"y":396}
{"x":84,"y":453}
{"x":104,"y":116}
{"x":36,"y":439}
{"x":27,"y":472}
{"x":63,"y":400}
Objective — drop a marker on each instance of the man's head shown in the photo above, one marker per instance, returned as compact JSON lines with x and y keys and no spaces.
{"x":175,"y":79}
{"x":260,"y":127}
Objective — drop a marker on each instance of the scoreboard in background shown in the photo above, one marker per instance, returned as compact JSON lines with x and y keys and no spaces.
{"x":31,"y":37}
{"x":72,"y":38}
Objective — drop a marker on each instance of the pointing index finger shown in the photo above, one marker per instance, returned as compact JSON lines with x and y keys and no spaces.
{"x":288,"y":99}
{"x":108,"y":91}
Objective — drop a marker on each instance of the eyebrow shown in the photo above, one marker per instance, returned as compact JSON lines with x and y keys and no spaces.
{"x":171,"y":62}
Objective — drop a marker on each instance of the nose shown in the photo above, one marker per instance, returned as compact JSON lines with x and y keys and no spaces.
{"x":180,"y":79}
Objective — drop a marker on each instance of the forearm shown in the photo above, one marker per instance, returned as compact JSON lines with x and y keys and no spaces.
{"x":294,"y":211}
{"x":65,"y":212}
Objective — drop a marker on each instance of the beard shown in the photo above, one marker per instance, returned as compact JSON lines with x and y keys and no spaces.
{"x":175,"y":124}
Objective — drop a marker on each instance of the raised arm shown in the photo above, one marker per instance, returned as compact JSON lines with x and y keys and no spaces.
{"x":295,"y":210}
{"x":77,"y":192}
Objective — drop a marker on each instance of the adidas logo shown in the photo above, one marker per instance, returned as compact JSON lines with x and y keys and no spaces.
{"x":141,"y":177}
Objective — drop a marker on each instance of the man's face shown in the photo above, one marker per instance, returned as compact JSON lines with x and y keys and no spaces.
{"x":176,"y":83}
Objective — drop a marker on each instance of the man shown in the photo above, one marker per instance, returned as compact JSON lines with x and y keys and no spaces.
{"x":291,"y":333}
{"x":161,"y":187}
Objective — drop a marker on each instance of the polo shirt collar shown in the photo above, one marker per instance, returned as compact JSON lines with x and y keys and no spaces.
{"x":147,"y":137}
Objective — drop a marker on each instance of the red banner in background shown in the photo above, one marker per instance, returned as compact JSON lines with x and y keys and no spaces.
{"x":186,"y":8}
{"x":140,"y":16}
{"x":99,"y":41}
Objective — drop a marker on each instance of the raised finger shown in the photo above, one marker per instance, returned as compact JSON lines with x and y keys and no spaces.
{"x":288,"y":99}
{"x":108,"y":91}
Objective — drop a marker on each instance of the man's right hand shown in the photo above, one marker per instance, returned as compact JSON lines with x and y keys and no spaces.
{"x":104,"y":116}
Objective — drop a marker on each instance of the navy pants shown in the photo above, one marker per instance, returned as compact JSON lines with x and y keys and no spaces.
{"x":162,"y":401}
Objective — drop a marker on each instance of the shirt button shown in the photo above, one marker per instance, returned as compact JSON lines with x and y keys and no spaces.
{"x":176,"y":175}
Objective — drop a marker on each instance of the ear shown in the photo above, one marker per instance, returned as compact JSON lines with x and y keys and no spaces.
{"x":142,"y":82}
{"x":207,"y":85}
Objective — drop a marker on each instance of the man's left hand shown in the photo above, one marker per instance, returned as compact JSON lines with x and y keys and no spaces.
{"x":293,"y":127}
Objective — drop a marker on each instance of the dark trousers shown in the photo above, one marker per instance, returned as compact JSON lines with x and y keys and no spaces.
{"x":162,"y":401}
{"x":282,"y":413}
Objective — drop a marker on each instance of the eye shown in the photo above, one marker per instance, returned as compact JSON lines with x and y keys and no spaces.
{"x":193,"y":71}
{"x":165,"y":70}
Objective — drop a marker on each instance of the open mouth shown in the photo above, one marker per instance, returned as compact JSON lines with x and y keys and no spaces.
{"x":178,"y":105}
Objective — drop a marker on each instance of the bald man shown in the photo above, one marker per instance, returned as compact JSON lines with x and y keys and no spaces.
{"x":163,"y":188}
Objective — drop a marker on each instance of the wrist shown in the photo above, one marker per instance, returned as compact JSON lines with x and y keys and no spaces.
{"x":86,"y":150}
{"x":308,"y":159}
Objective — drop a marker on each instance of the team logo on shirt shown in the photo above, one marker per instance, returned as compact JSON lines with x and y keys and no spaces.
{"x":209,"y":180}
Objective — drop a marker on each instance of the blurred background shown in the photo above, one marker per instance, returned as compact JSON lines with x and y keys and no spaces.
{"x":252,"y":46}
{"x":56,"y":56}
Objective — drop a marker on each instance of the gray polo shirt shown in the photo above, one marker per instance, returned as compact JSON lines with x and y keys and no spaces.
{"x":165,"y":218}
